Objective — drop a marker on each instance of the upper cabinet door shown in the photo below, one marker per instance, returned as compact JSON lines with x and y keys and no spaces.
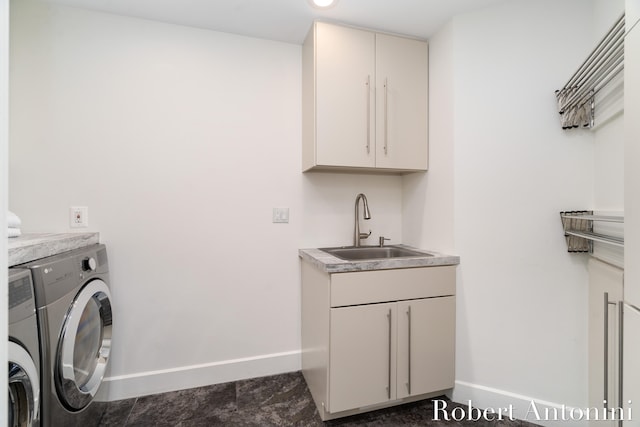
{"x":401,"y":102}
{"x":345,"y":75}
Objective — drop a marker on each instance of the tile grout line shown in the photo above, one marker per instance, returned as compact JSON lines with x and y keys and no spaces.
{"x":126,"y":420}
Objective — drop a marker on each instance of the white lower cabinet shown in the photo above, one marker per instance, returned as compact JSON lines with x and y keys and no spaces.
{"x":362,"y":356}
{"x":631,"y":381}
{"x":605,"y":295}
{"x":377,"y":338}
{"x":426,"y":345}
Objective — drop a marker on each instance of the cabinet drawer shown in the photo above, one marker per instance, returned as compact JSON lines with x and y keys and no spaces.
{"x":365,"y":287}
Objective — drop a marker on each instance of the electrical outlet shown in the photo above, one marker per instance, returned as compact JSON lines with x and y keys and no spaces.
{"x":78,"y":216}
{"x":280,"y":215}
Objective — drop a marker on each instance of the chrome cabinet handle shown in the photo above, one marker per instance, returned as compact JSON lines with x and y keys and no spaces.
{"x":606,"y":351}
{"x":389,"y":378}
{"x":409,"y":373}
{"x":385,"y":116}
{"x":368,"y":84}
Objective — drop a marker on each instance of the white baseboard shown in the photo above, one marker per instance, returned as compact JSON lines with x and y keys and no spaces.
{"x":162,"y":381}
{"x":536,"y":411}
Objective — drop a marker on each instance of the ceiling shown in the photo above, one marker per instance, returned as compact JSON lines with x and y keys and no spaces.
{"x":289,"y":20}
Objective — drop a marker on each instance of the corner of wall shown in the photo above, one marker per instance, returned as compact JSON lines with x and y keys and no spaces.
{"x":427,"y":209}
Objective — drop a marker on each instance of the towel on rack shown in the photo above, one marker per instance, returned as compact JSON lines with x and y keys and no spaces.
{"x":585,"y":116}
{"x":13,"y":232}
{"x":13,"y":221}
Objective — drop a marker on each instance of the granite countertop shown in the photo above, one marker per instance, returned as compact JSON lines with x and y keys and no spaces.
{"x":331,"y":264}
{"x":32,"y":246}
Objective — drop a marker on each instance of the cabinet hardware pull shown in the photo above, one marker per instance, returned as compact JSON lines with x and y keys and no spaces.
{"x":620,"y":354}
{"x":606,"y":351}
{"x":389,"y":378}
{"x":385,"y":116}
{"x":368,"y":84}
{"x":409,"y":370}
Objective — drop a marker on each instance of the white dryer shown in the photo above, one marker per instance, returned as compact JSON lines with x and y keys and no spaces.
{"x":24,"y":352}
{"x":73,"y":302}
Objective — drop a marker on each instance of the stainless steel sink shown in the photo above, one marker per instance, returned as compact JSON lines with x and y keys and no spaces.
{"x":373,"y":252}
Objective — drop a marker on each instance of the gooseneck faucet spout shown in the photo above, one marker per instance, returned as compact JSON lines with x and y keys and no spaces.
{"x":357,"y":236}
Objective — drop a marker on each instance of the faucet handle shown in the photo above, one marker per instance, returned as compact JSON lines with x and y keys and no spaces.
{"x":382,"y":239}
{"x":365,"y":235}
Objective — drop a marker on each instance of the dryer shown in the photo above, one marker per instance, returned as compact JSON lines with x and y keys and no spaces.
{"x":24,"y":351}
{"x":73,"y":303}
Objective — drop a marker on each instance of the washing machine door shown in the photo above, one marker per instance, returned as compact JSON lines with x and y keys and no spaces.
{"x":84,"y":345}
{"x":24,"y":387}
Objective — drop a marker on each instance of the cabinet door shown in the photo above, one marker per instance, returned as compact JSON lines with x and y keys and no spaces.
{"x":631,"y":169}
{"x":401,"y":102}
{"x":362,"y":356}
{"x":631,"y":362}
{"x":426,"y":345}
{"x":345,"y":104}
{"x":605,"y":291}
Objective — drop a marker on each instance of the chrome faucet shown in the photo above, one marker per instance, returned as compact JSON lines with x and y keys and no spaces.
{"x":357,"y":236}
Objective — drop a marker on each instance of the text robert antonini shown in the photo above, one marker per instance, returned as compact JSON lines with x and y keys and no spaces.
{"x":562,"y":413}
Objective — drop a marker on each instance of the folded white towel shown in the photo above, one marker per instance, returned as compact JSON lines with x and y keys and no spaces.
{"x":13,"y":232}
{"x":12,"y":220}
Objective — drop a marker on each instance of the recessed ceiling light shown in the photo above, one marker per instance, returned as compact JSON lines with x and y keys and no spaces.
{"x":323,"y":4}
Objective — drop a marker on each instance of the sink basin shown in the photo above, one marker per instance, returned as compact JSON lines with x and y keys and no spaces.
{"x":373,"y":252}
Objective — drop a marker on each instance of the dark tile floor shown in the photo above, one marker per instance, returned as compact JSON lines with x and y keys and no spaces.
{"x":279,"y":400}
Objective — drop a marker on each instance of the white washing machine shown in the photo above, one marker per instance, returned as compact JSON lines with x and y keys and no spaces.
{"x":24,"y":352}
{"x":73,"y":303}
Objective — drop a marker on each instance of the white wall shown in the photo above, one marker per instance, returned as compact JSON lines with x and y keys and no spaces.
{"x":428,"y":199}
{"x":522,"y":299}
{"x":180,"y":141}
{"x":608,"y":191}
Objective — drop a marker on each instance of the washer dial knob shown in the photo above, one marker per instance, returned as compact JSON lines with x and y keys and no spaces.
{"x":89,"y":264}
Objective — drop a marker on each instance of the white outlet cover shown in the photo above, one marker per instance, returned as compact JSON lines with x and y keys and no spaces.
{"x":78,"y":216}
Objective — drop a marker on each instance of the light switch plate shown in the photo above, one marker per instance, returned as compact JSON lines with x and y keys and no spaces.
{"x":280,"y":215}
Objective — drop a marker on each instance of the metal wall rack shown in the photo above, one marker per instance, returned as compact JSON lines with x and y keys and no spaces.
{"x":578,"y":230}
{"x":576,"y":99}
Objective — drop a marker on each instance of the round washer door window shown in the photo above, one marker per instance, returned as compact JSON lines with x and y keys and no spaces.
{"x":84,"y":345}
{"x":24,"y":387}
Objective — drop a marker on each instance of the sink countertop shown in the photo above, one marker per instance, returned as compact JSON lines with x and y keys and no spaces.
{"x":331,"y":264}
{"x":32,"y":246}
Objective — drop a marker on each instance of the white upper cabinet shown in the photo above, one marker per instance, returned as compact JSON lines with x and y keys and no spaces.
{"x":364,"y":100}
